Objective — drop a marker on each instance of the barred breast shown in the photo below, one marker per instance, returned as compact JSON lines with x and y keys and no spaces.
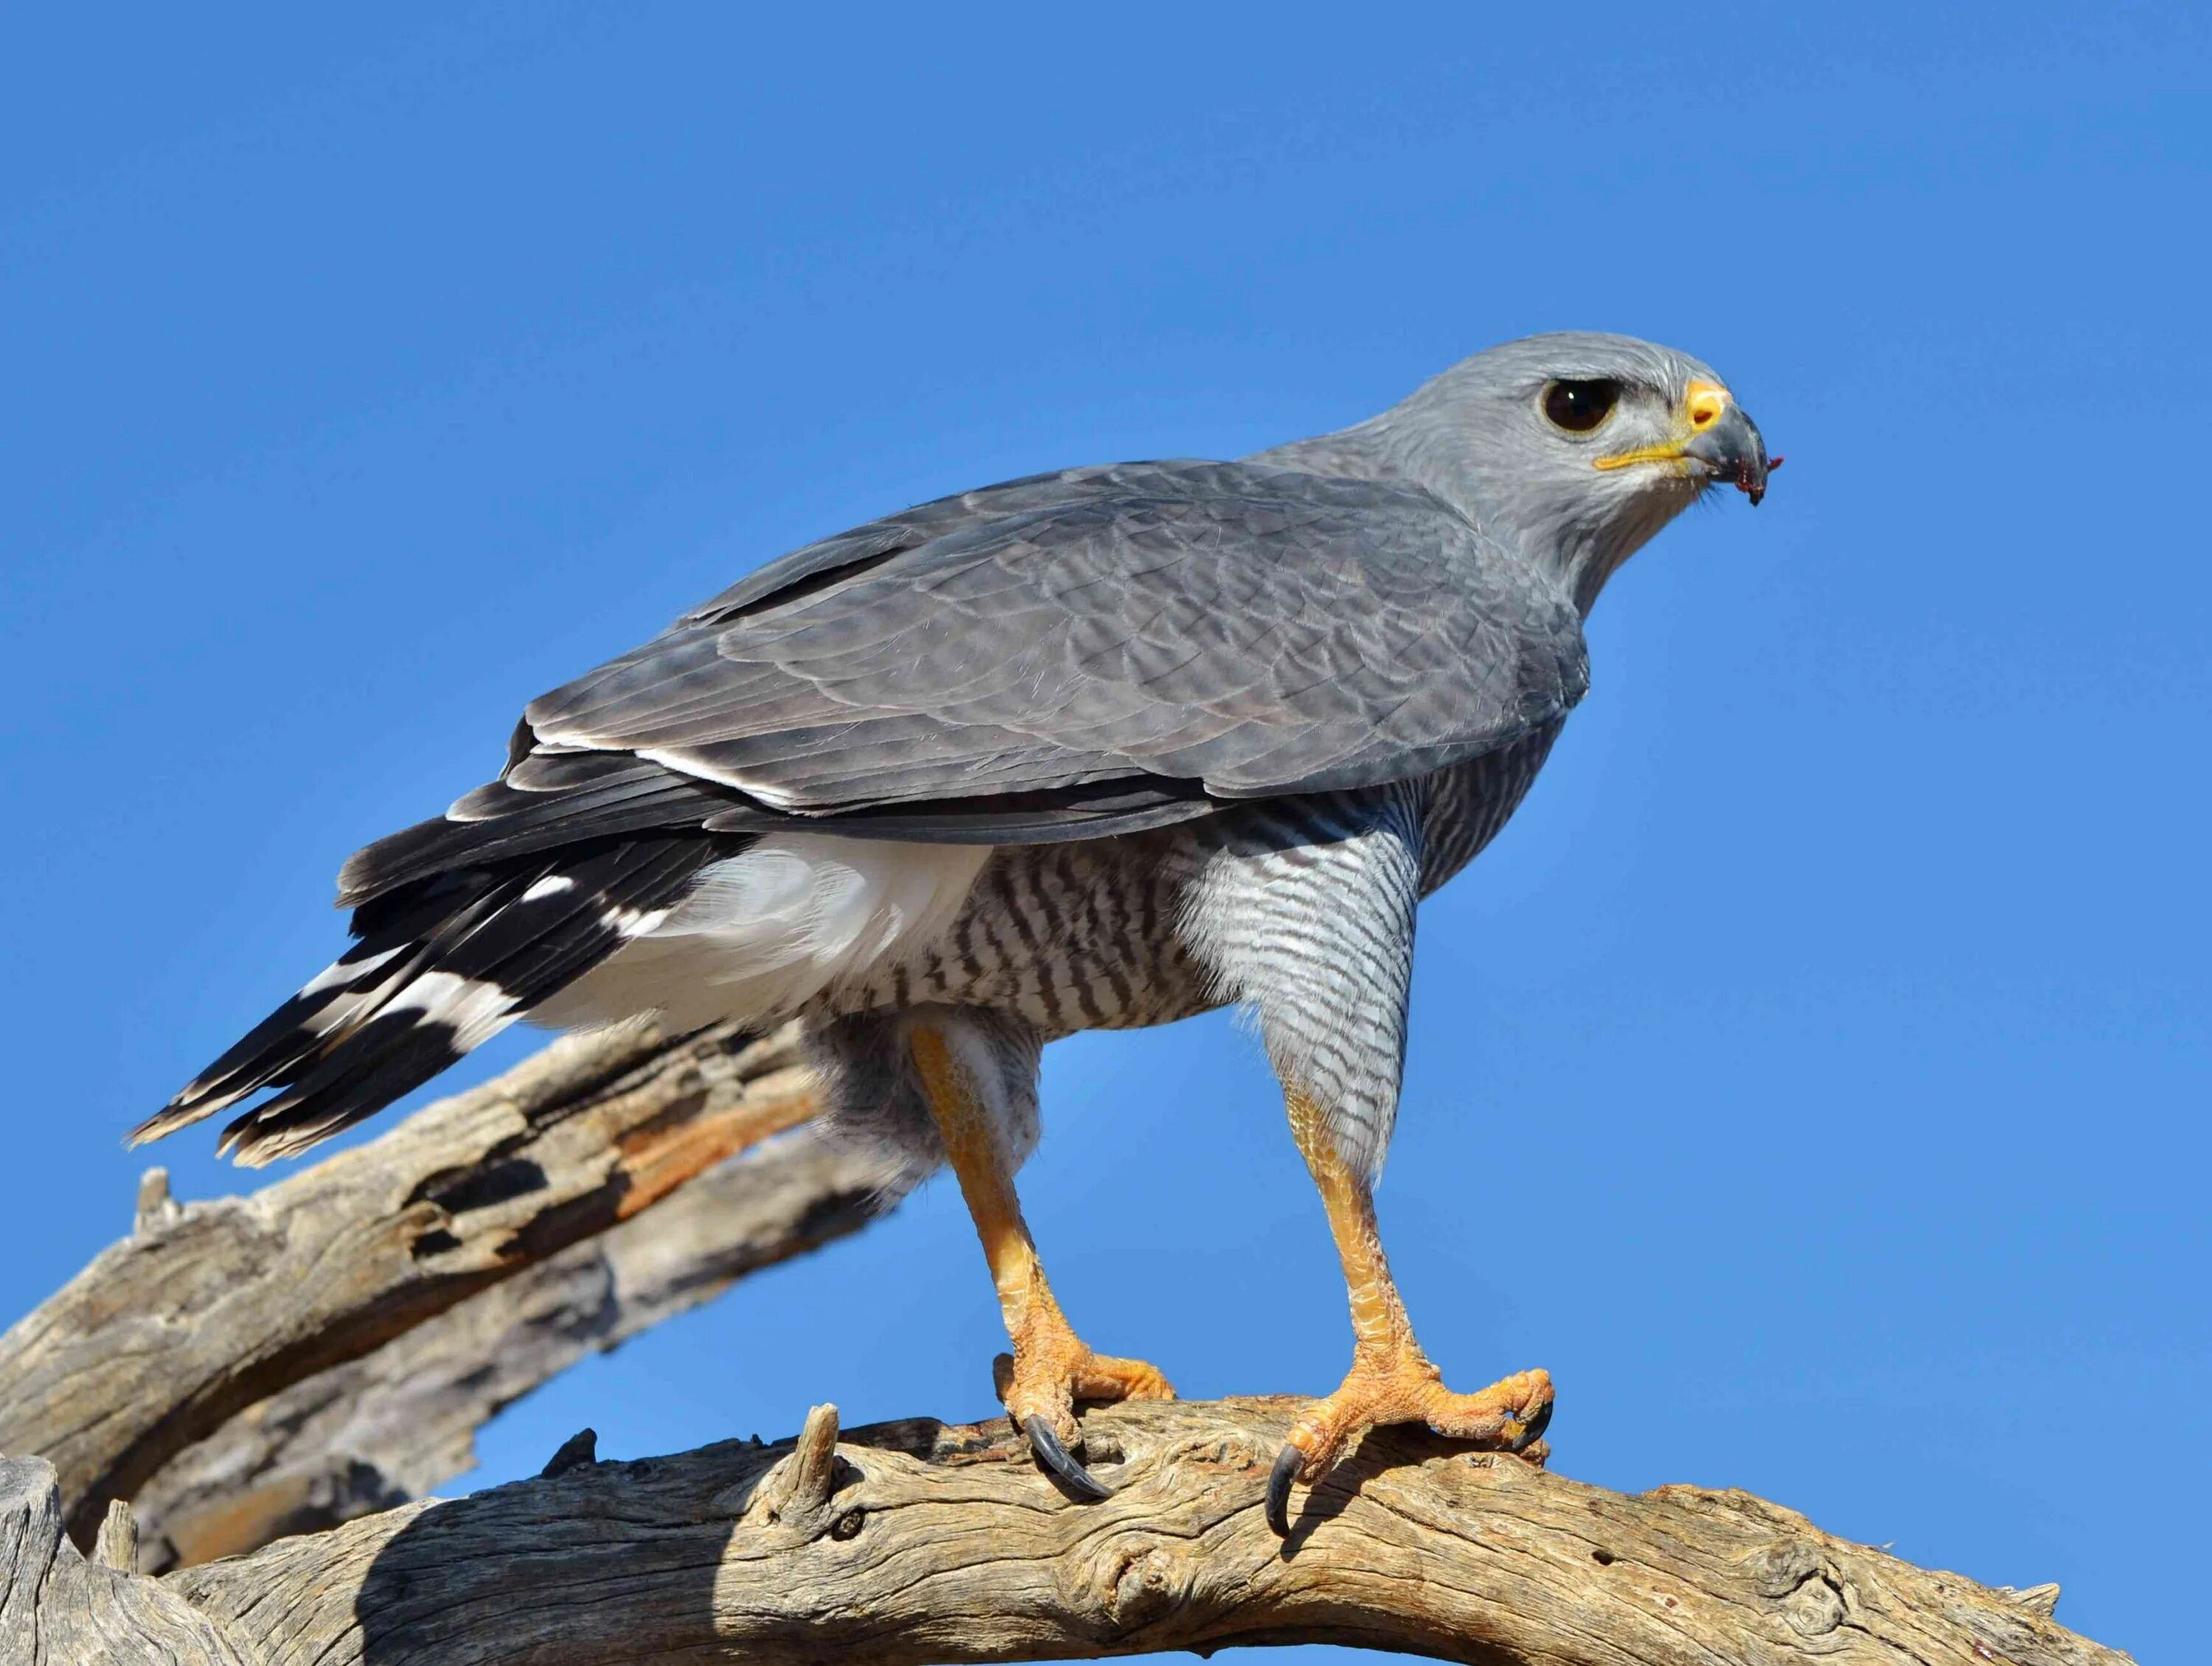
{"x":1099,"y":934}
{"x":1084,"y":934}
{"x":1090,"y":934}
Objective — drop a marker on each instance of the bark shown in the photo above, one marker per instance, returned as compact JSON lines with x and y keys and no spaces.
{"x":56,"y":1607}
{"x":400,"y":1422}
{"x":916,"y":1542}
{"x":209,"y":1308}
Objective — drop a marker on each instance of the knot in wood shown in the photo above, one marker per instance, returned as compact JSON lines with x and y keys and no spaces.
{"x":1797,"y":1576}
{"x":1780,"y":1568}
{"x":1814,"y":1608}
{"x":1141,"y":1582}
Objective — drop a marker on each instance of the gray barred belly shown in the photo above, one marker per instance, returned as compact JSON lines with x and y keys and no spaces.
{"x":1099,"y":934}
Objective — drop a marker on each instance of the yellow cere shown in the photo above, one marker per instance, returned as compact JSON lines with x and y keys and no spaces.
{"x":1703,"y":401}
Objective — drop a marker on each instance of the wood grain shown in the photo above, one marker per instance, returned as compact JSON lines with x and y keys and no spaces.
{"x":400,"y":1422}
{"x":209,"y":1308}
{"x":916,"y":1542}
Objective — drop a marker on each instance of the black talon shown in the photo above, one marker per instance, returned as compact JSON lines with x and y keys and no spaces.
{"x":1288,"y":1463}
{"x":1534,"y":1427}
{"x":1054,"y":1456}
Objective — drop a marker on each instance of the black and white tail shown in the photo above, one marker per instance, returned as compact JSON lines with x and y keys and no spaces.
{"x":441,"y":964}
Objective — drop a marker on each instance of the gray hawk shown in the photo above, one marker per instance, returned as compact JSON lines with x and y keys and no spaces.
{"x":1095,"y":749}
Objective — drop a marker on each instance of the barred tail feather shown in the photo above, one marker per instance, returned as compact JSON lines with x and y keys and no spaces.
{"x":440,"y":967}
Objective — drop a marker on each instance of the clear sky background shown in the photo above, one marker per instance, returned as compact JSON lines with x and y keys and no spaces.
{"x":1813,"y":1076}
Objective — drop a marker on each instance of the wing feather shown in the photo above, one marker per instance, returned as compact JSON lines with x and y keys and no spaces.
{"x":1062,"y":655}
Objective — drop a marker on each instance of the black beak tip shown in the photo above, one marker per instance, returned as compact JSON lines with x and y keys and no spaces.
{"x":1752,"y":481}
{"x":1732,"y":451}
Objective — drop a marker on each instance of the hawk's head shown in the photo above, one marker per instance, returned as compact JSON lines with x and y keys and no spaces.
{"x":1579,"y":447}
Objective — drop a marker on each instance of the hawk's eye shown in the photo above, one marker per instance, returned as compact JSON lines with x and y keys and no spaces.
{"x":1578,"y":406}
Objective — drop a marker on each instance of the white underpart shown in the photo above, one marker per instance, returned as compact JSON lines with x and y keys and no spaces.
{"x":762,"y":934}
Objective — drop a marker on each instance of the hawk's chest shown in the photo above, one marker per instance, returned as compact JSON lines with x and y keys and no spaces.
{"x":1095,"y":933}
{"x":1470,"y":802}
{"x":1081,"y":934}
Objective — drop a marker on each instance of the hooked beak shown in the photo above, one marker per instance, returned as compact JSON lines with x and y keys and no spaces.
{"x":1731,"y":448}
{"x":1715,"y":439}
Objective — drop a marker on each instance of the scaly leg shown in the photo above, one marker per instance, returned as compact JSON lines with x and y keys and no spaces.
{"x":1391,"y":1380}
{"x":1052,"y":1367}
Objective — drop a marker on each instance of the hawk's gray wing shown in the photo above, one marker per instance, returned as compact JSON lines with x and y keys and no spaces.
{"x":1064,"y":655}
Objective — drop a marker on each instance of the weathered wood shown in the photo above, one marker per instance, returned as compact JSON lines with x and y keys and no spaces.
{"x":156,"y":1209}
{"x":214,"y":1307}
{"x":915,"y":1541}
{"x":116,"y":1545}
{"x":55,"y":1607}
{"x":396,"y":1424}
{"x":580,"y":1448}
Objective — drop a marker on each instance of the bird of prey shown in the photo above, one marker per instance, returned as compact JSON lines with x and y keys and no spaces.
{"x":1096,"y":748}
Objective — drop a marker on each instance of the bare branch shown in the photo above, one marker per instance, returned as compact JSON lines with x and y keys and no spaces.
{"x":217,"y":1305}
{"x":914,"y":1542}
{"x":56,"y":1606}
{"x":400,"y":1422}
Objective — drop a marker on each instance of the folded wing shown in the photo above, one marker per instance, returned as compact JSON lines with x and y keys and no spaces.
{"x":1062,"y":657}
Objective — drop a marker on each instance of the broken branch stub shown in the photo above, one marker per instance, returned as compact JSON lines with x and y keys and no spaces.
{"x":212,"y":1308}
{"x":400,"y":1422}
{"x":917,"y":1542}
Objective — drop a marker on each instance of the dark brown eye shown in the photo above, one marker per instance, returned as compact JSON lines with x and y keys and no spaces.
{"x":1578,"y":406}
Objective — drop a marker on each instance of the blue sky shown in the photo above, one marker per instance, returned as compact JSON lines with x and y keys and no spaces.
{"x":1813,"y":1076}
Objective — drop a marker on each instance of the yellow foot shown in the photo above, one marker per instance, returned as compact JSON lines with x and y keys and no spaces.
{"x":1050,"y":1370}
{"x":1405,"y":1388}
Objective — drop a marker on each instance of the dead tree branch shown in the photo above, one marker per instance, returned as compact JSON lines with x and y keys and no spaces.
{"x":291,"y":1360}
{"x":915,"y":1541}
{"x":397,"y":1423}
{"x":209,"y":1308}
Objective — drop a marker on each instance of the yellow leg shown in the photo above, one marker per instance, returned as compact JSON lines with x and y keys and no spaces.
{"x":1391,"y":1380}
{"x":1052,"y":1368}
